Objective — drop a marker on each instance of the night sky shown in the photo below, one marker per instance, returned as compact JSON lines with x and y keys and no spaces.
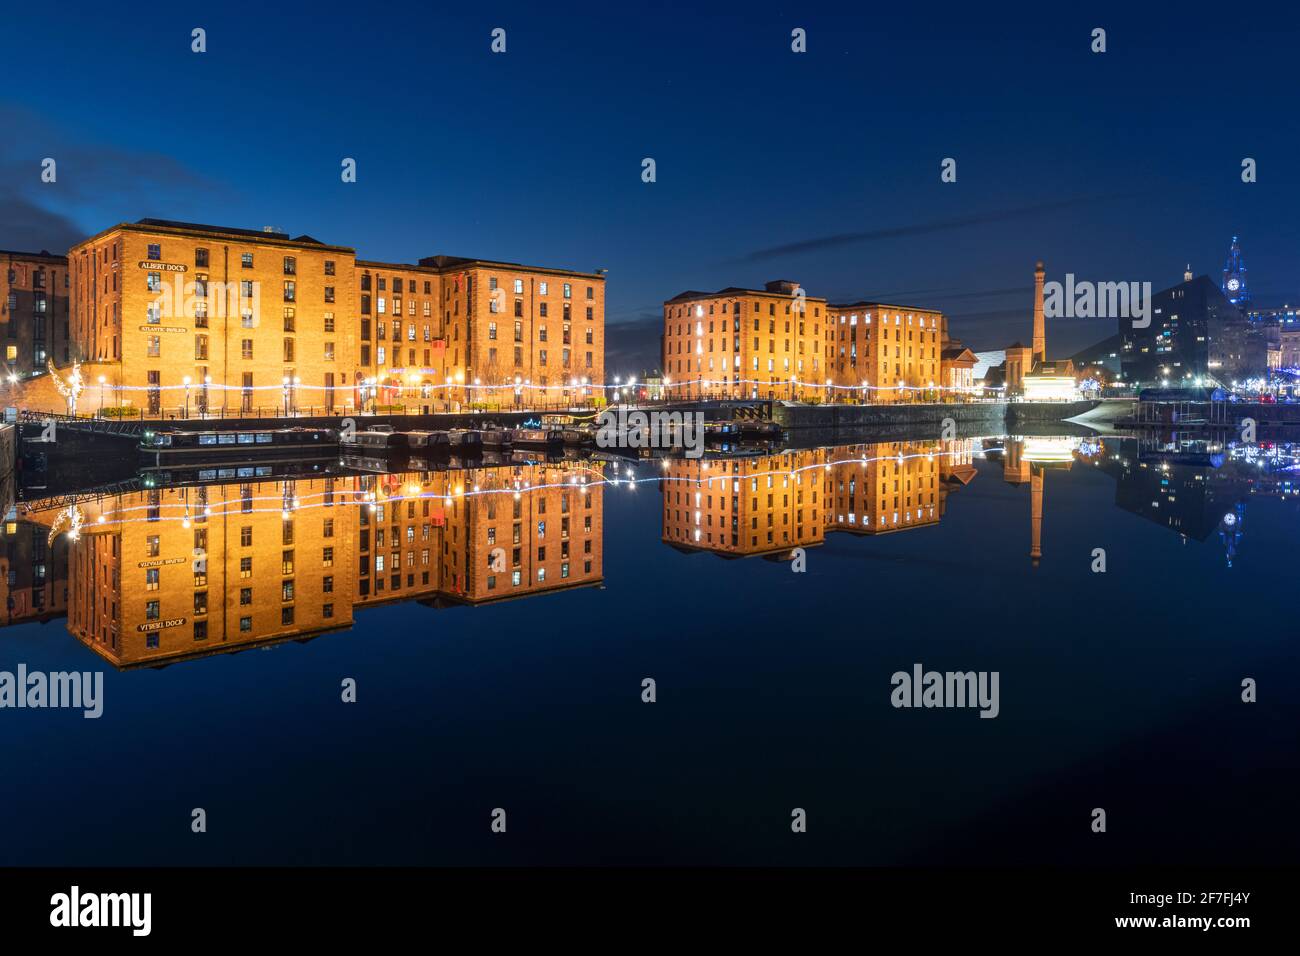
{"x":820,"y":167}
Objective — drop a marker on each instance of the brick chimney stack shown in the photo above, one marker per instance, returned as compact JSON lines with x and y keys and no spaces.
{"x":1040,"y":331}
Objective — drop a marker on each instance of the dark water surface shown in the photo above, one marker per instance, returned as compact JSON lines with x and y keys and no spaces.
{"x":1118,"y":690}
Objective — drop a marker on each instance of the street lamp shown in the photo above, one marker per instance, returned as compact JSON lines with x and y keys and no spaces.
{"x":102,"y":380}
{"x":285,"y":382}
{"x":186,"y":380}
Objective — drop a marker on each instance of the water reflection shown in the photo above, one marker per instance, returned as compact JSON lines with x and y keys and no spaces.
{"x":165,"y":574}
{"x":154,"y":575}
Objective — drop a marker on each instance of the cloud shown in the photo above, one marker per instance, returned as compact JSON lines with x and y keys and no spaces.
{"x":97,"y":185}
{"x":26,"y":227}
{"x":822,"y":243}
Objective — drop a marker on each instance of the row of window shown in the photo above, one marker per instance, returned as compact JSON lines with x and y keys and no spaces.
{"x":203,"y":259}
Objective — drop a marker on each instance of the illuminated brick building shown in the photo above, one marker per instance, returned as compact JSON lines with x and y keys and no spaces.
{"x":452,"y":332}
{"x":745,"y":343}
{"x":33,"y":312}
{"x":780,"y":343}
{"x":169,"y":319}
{"x":887,"y":352}
{"x":233,"y":320}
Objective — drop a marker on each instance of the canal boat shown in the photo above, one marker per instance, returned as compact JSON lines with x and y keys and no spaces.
{"x":171,"y":445}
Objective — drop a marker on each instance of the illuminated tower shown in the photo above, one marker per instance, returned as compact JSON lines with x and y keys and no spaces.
{"x":1040,"y":331}
{"x":1234,"y":277}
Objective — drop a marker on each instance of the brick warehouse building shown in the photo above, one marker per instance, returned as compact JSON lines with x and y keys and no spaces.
{"x":779,"y":343}
{"x":170,"y":318}
{"x":176,"y":316}
{"x":451,"y":332}
{"x":33,"y":312}
{"x":745,"y":343}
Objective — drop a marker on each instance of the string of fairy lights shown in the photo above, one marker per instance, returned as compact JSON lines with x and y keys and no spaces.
{"x":289,"y":505}
{"x":528,"y":385}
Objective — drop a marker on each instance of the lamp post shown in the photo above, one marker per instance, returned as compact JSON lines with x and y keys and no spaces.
{"x":102,"y":380}
{"x":186,"y":381}
{"x":203,"y":396}
{"x":285,"y":383}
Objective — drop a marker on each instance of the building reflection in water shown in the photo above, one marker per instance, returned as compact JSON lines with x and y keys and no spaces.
{"x":1026,"y":461}
{"x":168,"y":574}
{"x":159,"y":575}
{"x":770,"y":504}
{"x":1198,"y":487}
{"x":33,"y":573}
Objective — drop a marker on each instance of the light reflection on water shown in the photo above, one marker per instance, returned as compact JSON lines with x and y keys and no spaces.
{"x":499,"y":621}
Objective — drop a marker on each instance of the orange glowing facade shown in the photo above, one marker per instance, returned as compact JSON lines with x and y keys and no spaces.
{"x":169,"y":319}
{"x":884,"y":353}
{"x":780,"y":343}
{"x":162,"y":575}
{"x":745,"y":343}
{"x":178,"y":318}
{"x":745,"y":506}
{"x":452,"y":333}
{"x":771,"y":504}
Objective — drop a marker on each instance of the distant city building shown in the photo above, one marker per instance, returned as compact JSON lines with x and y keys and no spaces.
{"x":1104,"y":356}
{"x":1196,"y":336}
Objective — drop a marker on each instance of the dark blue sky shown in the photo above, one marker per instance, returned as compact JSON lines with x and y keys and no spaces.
{"x":1119,"y":166}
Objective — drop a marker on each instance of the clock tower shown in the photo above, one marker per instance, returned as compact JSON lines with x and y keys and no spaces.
{"x":1234,"y":277}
